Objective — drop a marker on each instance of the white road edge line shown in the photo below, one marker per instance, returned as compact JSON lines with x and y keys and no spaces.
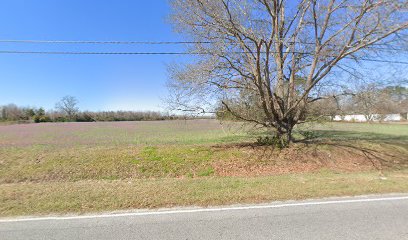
{"x":207,"y":209}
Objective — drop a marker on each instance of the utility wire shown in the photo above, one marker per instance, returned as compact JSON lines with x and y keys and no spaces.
{"x":99,"y":42}
{"x":159,"y":53}
{"x":379,"y":60}
{"x":99,"y":53}
{"x":373,"y":46}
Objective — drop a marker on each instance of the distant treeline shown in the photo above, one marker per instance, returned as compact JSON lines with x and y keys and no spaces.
{"x":12,"y":112}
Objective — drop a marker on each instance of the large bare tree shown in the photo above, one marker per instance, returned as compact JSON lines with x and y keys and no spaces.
{"x":68,"y":105}
{"x":263,"y":60}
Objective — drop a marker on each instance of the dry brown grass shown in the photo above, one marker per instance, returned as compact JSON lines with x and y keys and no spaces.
{"x":54,"y":168}
{"x":107,"y":195}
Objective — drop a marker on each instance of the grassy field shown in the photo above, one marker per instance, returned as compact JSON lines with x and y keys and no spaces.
{"x":87,"y":167}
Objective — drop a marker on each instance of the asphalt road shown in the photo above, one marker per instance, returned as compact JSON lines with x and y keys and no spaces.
{"x":369,"y":217}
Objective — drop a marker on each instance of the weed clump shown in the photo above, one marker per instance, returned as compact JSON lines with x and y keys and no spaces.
{"x":274,"y":141}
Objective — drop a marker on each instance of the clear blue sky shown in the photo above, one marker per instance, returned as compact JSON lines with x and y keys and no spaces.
{"x":99,"y":82}
{"x":103,"y":82}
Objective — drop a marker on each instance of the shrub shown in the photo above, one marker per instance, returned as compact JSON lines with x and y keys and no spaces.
{"x":84,"y":117}
{"x":39,"y":119}
{"x":60,"y":119}
{"x":309,"y":134}
{"x":271,"y":141}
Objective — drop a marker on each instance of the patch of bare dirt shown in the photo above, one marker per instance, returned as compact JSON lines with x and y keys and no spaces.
{"x":256,"y":160}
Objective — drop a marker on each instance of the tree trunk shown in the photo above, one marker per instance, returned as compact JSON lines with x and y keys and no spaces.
{"x":284,"y":135}
{"x":289,"y":137}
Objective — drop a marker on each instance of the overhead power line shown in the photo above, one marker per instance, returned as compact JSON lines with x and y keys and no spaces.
{"x":99,"y":53}
{"x":160,"y":53}
{"x":373,"y":46}
{"x":100,"y":42}
{"x":379,"y":60}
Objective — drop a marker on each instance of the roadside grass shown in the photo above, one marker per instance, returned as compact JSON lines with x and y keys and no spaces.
{"x":49,"y":163}
{"x":110,"y":195}
{"x":88,"y":167}
{"x":42,"y":163}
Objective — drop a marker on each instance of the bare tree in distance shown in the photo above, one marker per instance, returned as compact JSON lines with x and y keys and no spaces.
{"x":265,"y":60}
{"x":68,"y":106}
{"x":375,"y":102}
{"x":367,"y":101}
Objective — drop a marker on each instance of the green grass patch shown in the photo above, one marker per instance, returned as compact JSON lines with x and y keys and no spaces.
{"x":175,"y":161}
